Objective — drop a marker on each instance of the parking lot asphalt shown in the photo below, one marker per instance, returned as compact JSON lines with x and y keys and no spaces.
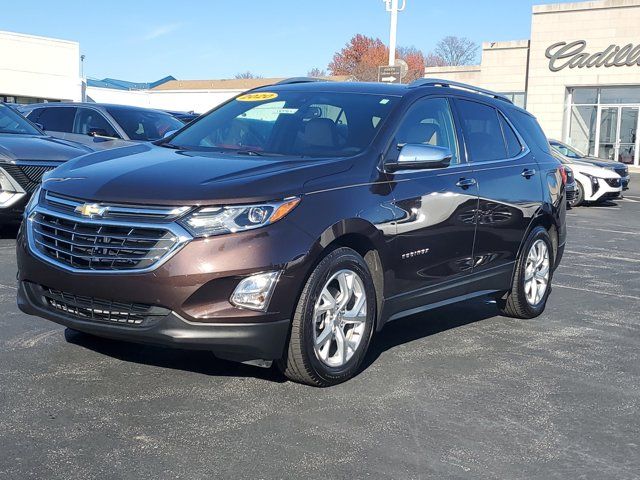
{"x":459,"y":392}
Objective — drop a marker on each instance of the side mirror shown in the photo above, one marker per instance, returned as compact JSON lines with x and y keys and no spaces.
{"x":420,"y":157}
{"x":98,"y":132}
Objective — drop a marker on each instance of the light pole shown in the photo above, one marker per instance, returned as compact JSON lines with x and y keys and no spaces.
{"x":393,"y":8}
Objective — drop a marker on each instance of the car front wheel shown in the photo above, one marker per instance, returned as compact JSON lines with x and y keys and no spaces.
{"x":333,"y":322}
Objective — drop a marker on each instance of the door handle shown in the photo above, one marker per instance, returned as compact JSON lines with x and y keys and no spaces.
{"x":528,"y":172}
{"x":466,"y":183}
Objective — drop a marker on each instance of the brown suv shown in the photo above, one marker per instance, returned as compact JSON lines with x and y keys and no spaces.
{"x":294,"y":221}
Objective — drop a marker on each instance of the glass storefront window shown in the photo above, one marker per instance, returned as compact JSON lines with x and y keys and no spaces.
{"x":582,"y":96}
{"x":519,"y":99}
{"x":620,"y":95}
{"x":582,"y":128}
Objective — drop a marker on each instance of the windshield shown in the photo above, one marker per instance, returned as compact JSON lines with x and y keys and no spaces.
{"x":145,"y":125}
{"x":567,"y":151}
{"x":305,"y":124}
{"x":13,"y":122}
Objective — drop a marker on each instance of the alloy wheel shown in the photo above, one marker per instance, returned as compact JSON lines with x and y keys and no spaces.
{"x":339,"y":318}
{"x":536,"y":272}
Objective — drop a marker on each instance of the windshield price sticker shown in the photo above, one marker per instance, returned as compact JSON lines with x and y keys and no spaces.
{"x":257,"y":97}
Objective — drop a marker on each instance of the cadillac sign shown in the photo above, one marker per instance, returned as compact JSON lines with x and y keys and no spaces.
{"x":573,"y":55}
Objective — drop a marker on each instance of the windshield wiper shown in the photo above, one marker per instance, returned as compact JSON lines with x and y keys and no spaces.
{"x":172,"y":146}
{"x":253,"y":153}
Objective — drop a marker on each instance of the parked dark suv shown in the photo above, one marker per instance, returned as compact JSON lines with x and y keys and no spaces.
{"x":294,"y":221}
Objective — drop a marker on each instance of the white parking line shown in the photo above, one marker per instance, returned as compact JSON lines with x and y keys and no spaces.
{"x":10,"y":287}
{"x":605,"y":230}
{"x":599,"y":292}
{"x":606,"y":257}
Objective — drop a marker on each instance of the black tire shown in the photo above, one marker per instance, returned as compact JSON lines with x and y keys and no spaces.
{"x":515,"y":303}
{"x":579,"y":198}
{"x":301,"y":364}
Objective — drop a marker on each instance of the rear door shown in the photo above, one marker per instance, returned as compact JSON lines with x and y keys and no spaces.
{"x":434,"y":211}
{"x":509,"y":188}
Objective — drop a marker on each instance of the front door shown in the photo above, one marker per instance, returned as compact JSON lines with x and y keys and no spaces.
{"x":434,"y":210}
{"x":617,"y":135}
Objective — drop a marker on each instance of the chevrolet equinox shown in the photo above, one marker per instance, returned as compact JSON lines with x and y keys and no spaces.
{"x":292,"y":222}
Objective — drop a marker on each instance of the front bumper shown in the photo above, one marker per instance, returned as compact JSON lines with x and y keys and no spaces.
{"x":604,"y":191}
{"x":625,"y":182}
{"x":194,"y":285}
{"x":247,"y":341}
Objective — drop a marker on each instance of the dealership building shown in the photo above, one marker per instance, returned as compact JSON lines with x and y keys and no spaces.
{"x":579,"y":74}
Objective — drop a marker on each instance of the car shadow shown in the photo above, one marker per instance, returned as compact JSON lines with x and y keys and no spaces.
{"x":9,"y":231}
{"x":393,"y":335}
{"x":429,"y":323}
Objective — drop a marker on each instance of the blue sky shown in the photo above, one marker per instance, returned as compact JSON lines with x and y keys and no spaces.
{"x":146,"y":40}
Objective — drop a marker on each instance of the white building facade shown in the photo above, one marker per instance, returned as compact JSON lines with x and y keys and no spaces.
{"x":579,"y":74}
{"x":35,"y":69}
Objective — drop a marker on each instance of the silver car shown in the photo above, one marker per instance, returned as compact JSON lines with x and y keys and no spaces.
{"x":101,"y":126}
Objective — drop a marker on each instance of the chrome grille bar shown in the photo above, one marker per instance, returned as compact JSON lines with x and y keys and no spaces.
{"x":101,"y":246}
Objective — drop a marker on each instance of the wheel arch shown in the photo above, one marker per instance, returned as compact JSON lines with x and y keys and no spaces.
{"x":363,"y":237}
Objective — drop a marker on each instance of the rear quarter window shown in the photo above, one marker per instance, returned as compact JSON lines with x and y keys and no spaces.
{"x":530,"y":129}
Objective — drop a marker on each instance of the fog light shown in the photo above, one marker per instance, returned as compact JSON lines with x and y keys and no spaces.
{"x":255,"y":292}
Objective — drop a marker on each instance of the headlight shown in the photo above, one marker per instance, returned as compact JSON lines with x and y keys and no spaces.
{"x":33,"y":202}
{"x":210,"y":221}
{"x":10,"y":190}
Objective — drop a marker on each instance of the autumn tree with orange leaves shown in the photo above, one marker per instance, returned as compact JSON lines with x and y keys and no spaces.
{"x":362,"y":56}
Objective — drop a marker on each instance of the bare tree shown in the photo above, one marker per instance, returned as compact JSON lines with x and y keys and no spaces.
{"x":246,"y":75}
{"x":456,"y":51}
{"x":316,"y":73}
{"x":433,"y":60}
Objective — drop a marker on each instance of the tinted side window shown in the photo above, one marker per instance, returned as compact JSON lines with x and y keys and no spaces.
{"x":88,"y":119}
{"x":34,"y":114}
{"x":57,"y":119}
{"x":430,"y":122}
{"x":510,"y":138}
{"x":482,"y":131}
{"x":529,"y":128}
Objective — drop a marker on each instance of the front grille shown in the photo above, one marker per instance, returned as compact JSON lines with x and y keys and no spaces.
{"x":102,"y":310}
{"x":571,"y":194}
{"x":613,"y":182}
{"x":94,"y":246}
{"x":28,"y":177}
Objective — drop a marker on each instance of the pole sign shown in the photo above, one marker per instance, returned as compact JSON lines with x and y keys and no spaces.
{"x":389,"y":74}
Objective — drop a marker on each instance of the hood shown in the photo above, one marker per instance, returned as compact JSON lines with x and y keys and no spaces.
{"x":580,"y":167}
{"x":38,"y":148}
{"x":150,"y":174}
{"x":603,"y":162}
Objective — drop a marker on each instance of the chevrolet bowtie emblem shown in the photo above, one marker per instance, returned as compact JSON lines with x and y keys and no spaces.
{"x":91,"y":210}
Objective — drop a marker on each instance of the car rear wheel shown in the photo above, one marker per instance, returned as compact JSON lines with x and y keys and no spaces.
{"x":333,"y":322}
{"x":532,"y":279}
{"x":578,"y":199}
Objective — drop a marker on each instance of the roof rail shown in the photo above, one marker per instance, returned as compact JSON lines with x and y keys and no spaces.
{"x":292,"y":80}
{"x":436,"y":82}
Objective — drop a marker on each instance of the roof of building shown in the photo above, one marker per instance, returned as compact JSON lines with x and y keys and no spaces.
{"x":231,"y":84}
{"x":127,"y":85}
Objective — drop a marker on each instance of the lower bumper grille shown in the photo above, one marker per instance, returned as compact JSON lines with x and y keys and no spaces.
{"x":102,"y":310}
{"x":613,"y":182}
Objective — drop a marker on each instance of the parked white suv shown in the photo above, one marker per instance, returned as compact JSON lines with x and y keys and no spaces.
{"x":595,"y":184}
